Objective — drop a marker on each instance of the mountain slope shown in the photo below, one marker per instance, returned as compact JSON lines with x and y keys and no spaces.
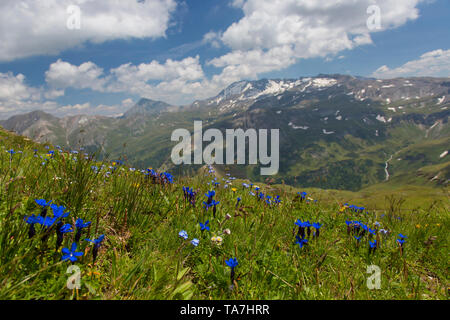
{"x":336,"y":131}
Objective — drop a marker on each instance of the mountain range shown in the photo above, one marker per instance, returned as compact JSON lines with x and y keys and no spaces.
{"x":336,"y":131}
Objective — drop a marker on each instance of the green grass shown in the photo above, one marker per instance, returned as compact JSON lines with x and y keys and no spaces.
{"x":142,"y":256}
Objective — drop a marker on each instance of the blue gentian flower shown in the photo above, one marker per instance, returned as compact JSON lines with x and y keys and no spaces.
{"x":80,"y":225}
{"x":71,"y":254}
{"x":301,"y":241}
{"x":232,"y":263}
{"x":42,"y":202}
{"x":373,"y":245}
{"x":47,"y":221}
{"x":97,"y":242}
{"x":210,"y":194}
{"x":32,"y":220}
{"x":58,"y":211}
{"x":402,"y":239}
{"x":204,"y":226}
{"x":66,"y":228}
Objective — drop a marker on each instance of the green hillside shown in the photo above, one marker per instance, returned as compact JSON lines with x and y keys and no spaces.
{"x":139,"y":250}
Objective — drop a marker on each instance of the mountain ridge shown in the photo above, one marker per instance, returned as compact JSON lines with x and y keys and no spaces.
{"x":336,"y":131}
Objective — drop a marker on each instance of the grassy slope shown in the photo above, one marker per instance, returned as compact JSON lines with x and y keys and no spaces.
{"x":142,"y":256}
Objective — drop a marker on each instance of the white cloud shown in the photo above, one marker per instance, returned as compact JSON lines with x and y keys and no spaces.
{"x":62,"y":75}
{"x":434,"y":64}
{"x":17,"y":96}
{"x":274,"y":34}
{"x":14,"y":88}
{"x":35,"y":27}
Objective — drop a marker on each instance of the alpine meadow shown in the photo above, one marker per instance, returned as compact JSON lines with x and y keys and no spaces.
{"x":238,"y":150}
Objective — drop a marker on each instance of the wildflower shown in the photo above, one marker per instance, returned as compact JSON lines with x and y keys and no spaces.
{"x":227,"y":217}
{"x":237,"y":202}
{"x":317,"y":226}
{"x":372,"y":246}
{"x":32,"y":220}
{"x":71,"y":254}
{"x":210,"y":195}
{"x":66,"y":228}
{"x":357,"y":238}
{"x":58,"y":211}
{"x":60,"y":230}
{"x":301,"y":241}
{"x":204,"y":226}
{"x":302,"y":196}
{"x":183,"y":234}
{"x":47,"y":221}
{"x":308,"y":226}
{"x":301,"y":228}
{"x":217,"y":240}
{"x":227,"y":231}
{"x":232,"y":263}
{"x":233,"y":189}
{"x":402,"y":239}
{"x":97,"y":242}
{"x":195,"y":242}
{"x":44,"y":204}
{"x":277,"y":200}
{"x":80,"y":225}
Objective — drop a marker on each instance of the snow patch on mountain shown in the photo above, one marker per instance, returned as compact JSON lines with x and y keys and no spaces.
{"x":381,"y":118}
{"x":297,"y":127}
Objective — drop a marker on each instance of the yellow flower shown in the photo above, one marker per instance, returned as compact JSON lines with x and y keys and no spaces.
{"x":233,"y":189}
{"x":114,"y":163}
{"x":438,"y":224}
{"x":418,"y":226}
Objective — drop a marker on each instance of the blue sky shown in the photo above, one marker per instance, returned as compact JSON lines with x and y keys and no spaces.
{"x":180,"y":51}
